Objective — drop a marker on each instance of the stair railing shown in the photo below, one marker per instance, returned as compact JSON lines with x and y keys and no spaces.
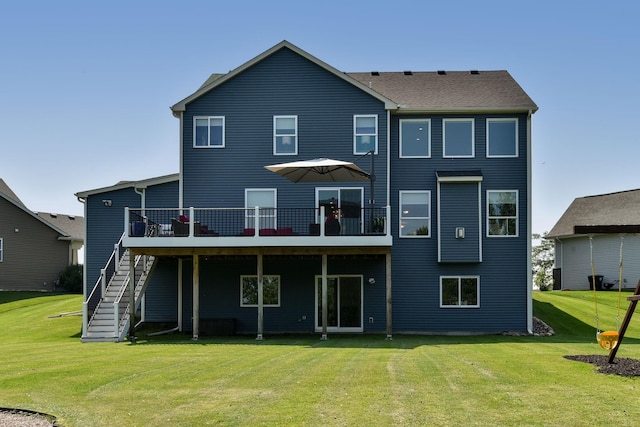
{"x":119,"y":318}
{"x":105,"y":275}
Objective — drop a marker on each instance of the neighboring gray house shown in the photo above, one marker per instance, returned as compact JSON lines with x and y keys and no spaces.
{"x":612,"y":221}
{"x":442,"y":245}
{"x":35,"y":246}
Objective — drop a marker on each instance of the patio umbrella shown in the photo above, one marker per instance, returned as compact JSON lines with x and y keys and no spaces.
{"x":320,"y":170}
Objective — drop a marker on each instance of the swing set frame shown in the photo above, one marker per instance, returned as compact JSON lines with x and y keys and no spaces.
{"x":633,"y":299}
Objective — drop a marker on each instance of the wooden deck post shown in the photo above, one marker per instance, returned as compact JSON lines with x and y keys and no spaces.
{"x":180,"y":295}
{"x":132,"y":296}
{"x":388,"y":280}
{"x":260,"y":298}
{"x":196,"y":296}
{"x":325,"y":299}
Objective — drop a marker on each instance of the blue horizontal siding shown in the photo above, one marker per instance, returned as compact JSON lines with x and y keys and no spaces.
{"x":282,"y":84}
{"x":503,"y":270}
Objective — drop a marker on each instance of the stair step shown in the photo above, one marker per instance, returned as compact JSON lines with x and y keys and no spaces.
{"x":101,"y":326}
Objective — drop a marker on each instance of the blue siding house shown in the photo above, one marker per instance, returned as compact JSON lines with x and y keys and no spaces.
{"x":434,"y":239}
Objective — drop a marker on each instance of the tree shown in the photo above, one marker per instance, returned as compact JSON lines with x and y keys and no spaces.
{"x":542,"y":256}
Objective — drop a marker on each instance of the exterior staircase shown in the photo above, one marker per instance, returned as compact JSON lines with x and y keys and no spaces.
{"x":110,"y":318}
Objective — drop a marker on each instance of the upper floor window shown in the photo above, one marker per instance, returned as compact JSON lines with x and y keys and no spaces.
{"x":415,"y":138}
{"x":502,"y":138}
{"x":208,"y":132}
{"x":459,"y":291}
{"x":285,"y":135}
{"x":502,"y":213}
{"x":458,"y":137}
{"x":270,"y":291}
{"x":365,"y":131}
{"x":415,"y":214}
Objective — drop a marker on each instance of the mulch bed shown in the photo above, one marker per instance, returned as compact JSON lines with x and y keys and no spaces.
{"x":620,"y":366}
{"x":11,"y":417}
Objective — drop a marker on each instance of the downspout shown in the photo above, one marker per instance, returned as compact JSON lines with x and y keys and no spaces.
{"x":143,"y":199}
{"x":85,"y":313}
{"x":143,"y":205}
{"x":529,"y":231}
{"x":180,"y":156}
{"x":559,"y":247}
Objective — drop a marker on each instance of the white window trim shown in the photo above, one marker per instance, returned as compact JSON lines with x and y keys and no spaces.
{"x":1,"y":249}
{"x":473,"y":138}
{"x":249,"y":213}
{"x":195,"y":118}
{"x":374,"y":135}
{"x":515,"y":142}
{"x":242,"y":277}
{"x":517,"y":216}
{"x":276,"y":135}
{"x":417,"y":236}
{"x":460,"y":305}
{"x":428,"y":156}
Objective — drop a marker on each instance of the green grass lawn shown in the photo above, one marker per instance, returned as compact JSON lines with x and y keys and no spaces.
{"x":299,"y":380}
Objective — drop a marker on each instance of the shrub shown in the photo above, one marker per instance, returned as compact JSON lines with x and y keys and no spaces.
{"x":71,"y":279}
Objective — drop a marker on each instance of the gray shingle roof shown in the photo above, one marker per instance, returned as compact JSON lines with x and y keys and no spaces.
{"x":621,"y":208}
{"x":70,"y":224}
{"x":8,"y":192}
{"x":450,"y":91}
{"x":433,"y":92}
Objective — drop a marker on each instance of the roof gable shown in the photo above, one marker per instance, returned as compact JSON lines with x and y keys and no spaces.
{"x":216,"y":80}
{"x":612,"y":209}
{"x":437,"y":91}
{"x":7,"y":194}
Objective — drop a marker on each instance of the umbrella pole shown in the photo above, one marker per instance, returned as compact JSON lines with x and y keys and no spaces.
{"x":372,"y":179}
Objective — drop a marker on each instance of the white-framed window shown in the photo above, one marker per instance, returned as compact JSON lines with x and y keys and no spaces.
{"x":502,"y":213}
{"x":344,"y":205}
{"x":415,"y":138}
{"x":459,"y":291}
{"x":208,"y":132}
{"x":502,"y":137}
{"x":1,"y":250}
{"x":365,"y":134}
{"x":415,"y":214}
{"x":249,"y":291}
{"x":285,"y":135}
{"x":458,"y":138}
{"x":265,"y":200}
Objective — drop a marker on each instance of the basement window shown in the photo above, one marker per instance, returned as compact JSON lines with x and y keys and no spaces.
{"x":249,"y":291}
{"x":459,"y":292}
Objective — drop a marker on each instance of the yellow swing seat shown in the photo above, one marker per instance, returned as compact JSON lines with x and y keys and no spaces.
{"x":608,"y":339}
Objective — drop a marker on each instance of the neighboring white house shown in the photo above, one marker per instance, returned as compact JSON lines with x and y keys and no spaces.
{"x":604,"y":225}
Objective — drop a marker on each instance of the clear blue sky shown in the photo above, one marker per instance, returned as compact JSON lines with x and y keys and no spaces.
{"x":86,"y":87}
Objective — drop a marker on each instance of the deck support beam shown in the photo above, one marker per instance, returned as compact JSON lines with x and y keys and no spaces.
{"x":260,"y":297}
{"x":180,"y":326}
{"x":132,"y":296}
{"x":388,"y":281}
{"x":196,"y":296}
{"x":325,"y":299}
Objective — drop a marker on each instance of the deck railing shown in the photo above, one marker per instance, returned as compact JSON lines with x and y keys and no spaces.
{"x":235,"y":222}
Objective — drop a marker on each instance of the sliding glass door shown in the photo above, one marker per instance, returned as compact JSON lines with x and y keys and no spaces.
{"x":344,"y":303}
